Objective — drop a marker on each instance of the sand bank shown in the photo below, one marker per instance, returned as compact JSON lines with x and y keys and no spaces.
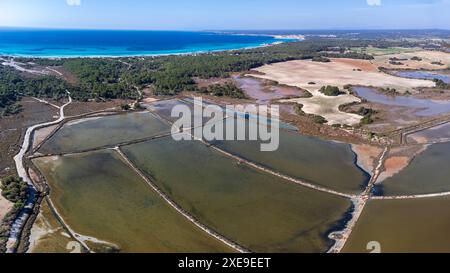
{"x":367,"y":156}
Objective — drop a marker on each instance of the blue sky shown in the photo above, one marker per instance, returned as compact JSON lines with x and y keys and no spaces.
{"x":226,"y":14}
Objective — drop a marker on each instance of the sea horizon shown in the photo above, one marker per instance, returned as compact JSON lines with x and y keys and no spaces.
{"x":78,"y":43}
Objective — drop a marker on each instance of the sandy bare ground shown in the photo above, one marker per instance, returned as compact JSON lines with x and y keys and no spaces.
{"x":339,"y":72}
{"x":394,"y":165}
{"x":328,"y":107}
{"x":41,"y":229}
{"x":418,"y":139}
{"x":80,"y":108}
{"x":5,"y":207}
{"x":398,"y":159}
{"x":427,"y":58}
{"x":41,"y":134}
{"x":150,"y":100}
{"x":367,"y":156}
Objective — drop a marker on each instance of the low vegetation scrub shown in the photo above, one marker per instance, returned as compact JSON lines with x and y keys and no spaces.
{"x":389,"y":91}
{"x":395,"y":59}
{"x":321,"y":59}
{"x":15,"y":190}
{"x":367,"y":114}
{"x":331,"y":91}
{"x":316,"y":118}
{"x":396,"y":63}
{"x":125,"y":107}
{"x":441,"y":84}
{"x":11,"y":109}
{"x":298,"y":108}
{"x":224,"y":90}
{"x":319,"y":119}
{"x":438,"y":63}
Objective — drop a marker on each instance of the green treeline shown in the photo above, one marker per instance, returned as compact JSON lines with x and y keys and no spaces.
{"x":13,"y":85}
{"x":15,"y":190}
{"x":170,"y":75}
{"x":101,"y":79}
{"x":111,"y":78}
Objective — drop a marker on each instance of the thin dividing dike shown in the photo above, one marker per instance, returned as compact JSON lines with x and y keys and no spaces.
{"x":99,"y":196}
{"x":258,"y":211}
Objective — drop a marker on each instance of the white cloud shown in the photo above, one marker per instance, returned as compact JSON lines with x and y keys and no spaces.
{"x":374,"y":2}
{"x":73,"y":2}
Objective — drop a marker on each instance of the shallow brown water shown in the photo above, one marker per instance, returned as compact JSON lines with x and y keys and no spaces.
{"x":98,"y":195}
{"x":419,"y":225}
{"x":261,"y":212}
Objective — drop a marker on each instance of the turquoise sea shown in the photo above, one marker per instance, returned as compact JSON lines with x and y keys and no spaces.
{"x":115,"y":43}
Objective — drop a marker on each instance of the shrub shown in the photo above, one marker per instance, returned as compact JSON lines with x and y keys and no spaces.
{"x":14,"y":189}
{"x":331,"y":90}
{"x":12,"y":109}
{"x":125,"y":107}
{"x":367,"y":113}
{"x":299,"y":110}
{"x":321,"y":59}
{"x":319,"y":119}
{"x":228,"y":90}
{"x":441,"y":84}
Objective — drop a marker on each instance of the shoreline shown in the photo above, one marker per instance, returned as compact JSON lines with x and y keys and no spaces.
{"x":193,"y":52}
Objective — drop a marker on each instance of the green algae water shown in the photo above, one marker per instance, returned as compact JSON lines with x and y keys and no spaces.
{"x":99,"y":196}
{"x":259,"y":211}
{"x":96,"y":132}
{"x":414,"y":225}
{"x":325,"y":163}
{"x":427,"y":173}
